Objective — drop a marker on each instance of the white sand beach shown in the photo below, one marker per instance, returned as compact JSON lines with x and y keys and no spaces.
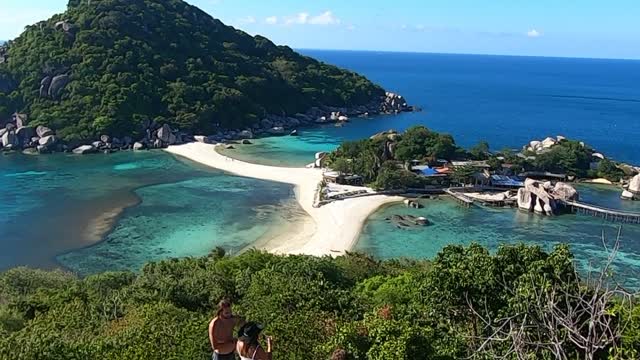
{"x":331,"y":229}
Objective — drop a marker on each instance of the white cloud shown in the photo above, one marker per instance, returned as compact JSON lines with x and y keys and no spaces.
{"x":271,"y":20}
{"x":299,"y":19}
{"x":533,"y":33}
{"x":326,"y":18}
{"x":305,"y":18}
{"x":351,"y":27}
{"x":248,"y":20}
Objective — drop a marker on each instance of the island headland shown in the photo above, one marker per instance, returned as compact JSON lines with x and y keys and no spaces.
{"x":111,"y":75}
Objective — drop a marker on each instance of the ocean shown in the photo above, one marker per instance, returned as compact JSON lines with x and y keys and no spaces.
{"x":504,"y":100}
{"x":52,"y":209}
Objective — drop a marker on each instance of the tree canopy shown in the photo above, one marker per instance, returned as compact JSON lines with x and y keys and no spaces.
{"x":395,"y":309}
{"x":133,"y":61}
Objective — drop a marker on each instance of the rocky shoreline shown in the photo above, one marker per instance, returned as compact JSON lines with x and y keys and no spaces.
{"x":17,"y":135}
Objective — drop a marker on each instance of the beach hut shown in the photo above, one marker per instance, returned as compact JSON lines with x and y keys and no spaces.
{"x":335,"y":177}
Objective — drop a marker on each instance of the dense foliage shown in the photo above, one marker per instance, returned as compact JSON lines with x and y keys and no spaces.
{"x":312,"y":306}
{"x":137,"y":60}
{"x":383,"y":159}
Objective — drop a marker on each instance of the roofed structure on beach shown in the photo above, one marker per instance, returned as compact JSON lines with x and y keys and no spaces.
{"x":427,"y":171}
{"x":544,"y":175}
{"x":337,"y":177}
{"x":472,"y":163}
{"x":506,"y":181}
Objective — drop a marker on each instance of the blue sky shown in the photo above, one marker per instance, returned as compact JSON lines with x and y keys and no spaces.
{"x":574,"y":28}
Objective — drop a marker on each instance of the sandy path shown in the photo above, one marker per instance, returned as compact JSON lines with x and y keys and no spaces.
{"x":331,"y":229}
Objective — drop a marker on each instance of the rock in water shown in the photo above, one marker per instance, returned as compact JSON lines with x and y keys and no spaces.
{"x":9,"y":139}
{"x":536,"y":196}
{"x":84,"y":149}
{"x":633,"y":191}
{"x":138,"y":146}
{"x":58,"y":83}
{"x":43,"y":131}
{"x":563,"y":191}
{"x":294,"y":133}
{"x":634,"y":185}
{"x":246,"y":142}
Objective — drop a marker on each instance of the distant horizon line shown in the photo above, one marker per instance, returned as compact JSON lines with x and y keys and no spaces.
{"x":470,"y":54}
{"x":2,"y":42}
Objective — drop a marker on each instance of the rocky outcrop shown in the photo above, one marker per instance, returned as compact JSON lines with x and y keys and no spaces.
{"x":47,"y":141}
{"x":539,"y":147}
{"x":394,"y":104}
{"x":84,"y":149}
{"x":544,"y":198}
{"x":45,"y":83}
{"x":536,"y":197}
{"x":633,"y":190}
{"x":563,"y":191}
{"x":9,"y":140}
{"x":58,"y":83}
{"x":43,"y":131}
{"x":276,"y":130}
{"x":24,"y":134}
{"x":201,"y":138}
{"x":137,"y":146}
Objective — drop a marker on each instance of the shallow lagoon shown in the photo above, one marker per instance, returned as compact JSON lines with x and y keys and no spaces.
{"x":54,"y":209}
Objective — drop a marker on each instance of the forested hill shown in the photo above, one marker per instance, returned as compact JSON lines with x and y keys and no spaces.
{"x":108,"y":66}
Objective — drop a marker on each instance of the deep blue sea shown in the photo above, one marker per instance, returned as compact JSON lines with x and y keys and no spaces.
{"x":505,"y":100}
{"x":98,"y":212}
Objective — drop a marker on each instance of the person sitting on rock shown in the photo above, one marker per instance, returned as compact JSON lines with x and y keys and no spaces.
{"x":221,"y":328}
{"x":249,"y":347}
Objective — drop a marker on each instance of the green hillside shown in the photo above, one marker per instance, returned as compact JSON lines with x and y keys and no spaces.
{"x":523,"y":298}
{"x":112,"y":66}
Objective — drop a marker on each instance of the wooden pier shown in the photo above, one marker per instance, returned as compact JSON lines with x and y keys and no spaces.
{"x":607,"y":214}
{"x":461,"y":198}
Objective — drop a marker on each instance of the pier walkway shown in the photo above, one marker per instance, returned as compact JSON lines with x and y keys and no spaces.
{"x":607,"y":214}
{"x":463,"y":199}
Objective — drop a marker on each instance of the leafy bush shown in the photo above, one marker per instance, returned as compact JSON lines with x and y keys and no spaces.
{"x":311,"y":306}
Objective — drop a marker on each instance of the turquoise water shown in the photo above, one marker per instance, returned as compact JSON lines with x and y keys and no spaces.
{"x":453,"y":224}
{"x":52,"y":209}
{"x":55,"y":210}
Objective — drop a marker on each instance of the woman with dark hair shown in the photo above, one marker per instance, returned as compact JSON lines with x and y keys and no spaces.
{"x":248,"y":346}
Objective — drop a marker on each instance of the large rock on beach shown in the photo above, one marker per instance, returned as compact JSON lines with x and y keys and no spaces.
{"x":164,"y":133}
{"x":245,"y":134}
{"x":201,"y":139}
{"x":9,"y":139}
{"x":47,"y":141}
{"x":25,"y":133}
{"x":43,"y":131}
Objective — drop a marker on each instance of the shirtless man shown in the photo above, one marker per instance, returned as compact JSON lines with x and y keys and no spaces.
{"x":221,"y":332}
